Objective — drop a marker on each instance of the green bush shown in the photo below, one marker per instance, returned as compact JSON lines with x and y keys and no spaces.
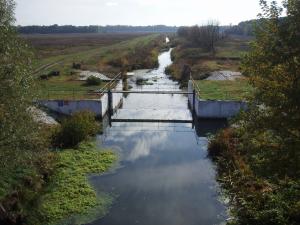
{"x":54,"y":73}
{"x":75,"y":129}
{"x":76,"y":66}
{"x":92,"y":81}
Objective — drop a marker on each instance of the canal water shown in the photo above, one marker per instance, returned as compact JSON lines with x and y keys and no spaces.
{"x":165,"y":176}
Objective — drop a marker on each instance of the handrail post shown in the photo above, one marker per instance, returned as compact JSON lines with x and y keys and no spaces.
{"x":194,"y":100}
{"x":110,"y":103}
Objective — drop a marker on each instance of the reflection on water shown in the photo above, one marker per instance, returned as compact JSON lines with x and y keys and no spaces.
{"x":165,"y":177}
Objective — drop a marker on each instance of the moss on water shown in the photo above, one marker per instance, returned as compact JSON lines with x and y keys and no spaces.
{"x":69,"y":198}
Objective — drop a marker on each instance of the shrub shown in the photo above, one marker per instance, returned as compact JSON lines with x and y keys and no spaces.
{"x":75,"y":129}
{"x":44,"y":77}
{"x":93,"y":81}
{"x":76,"y":66}
{"x":54,"y":73}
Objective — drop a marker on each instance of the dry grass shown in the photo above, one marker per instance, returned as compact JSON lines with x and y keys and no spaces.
{"x":47,"y":45}
{"x":228,"y":55}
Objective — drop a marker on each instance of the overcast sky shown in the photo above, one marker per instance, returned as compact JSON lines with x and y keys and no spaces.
{"x":134,"y":12}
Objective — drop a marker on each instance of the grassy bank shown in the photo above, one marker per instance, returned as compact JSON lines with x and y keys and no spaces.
{"x":237,"y":90}
{"x":69,"y":198}
{"x":68,"y":88}
{"x":228,"y":54}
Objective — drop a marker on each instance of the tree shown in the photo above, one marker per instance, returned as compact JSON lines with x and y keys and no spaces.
{"x":273,"y":67}
{"x":204,"y":36}
{"x":21,"y":146}
{"x":259,"y":157}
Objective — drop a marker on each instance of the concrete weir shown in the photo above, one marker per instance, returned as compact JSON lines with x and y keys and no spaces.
{"x":204,"y":109}
{"x":214,"y":109}
{"x":69,"y":107}
{"x":97,"y":106}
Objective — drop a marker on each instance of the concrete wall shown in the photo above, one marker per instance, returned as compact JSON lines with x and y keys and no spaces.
{"x":99,"y":107}
{"x":209,"y":109}
{"x":70,"y":107}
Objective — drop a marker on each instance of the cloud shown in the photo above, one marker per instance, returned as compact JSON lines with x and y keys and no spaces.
{"x":111,"y":4}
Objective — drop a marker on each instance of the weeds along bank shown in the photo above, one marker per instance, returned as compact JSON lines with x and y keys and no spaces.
{"x":188,"y":57}
{"x":253,"y":176}
{"x":68,"y":197}
{"x":258,"y":157}
{"x":55,"y":189}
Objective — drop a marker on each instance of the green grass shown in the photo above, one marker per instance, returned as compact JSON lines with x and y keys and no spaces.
{"x":69,"y":198}
{"x":65,"y":89}
{"x":224,"y":90}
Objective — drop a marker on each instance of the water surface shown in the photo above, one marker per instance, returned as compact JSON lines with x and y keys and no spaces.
{"x":165,"y":177}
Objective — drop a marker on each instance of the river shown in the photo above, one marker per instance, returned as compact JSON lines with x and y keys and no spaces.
{"x":165,"y":176}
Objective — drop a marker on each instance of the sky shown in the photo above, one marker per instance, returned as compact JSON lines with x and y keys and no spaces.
{"x":134,"y":12}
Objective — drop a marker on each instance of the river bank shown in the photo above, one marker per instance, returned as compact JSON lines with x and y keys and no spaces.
{"x":203,"y":64}
{"x":68,"y":197}
{"x":257,"y":193}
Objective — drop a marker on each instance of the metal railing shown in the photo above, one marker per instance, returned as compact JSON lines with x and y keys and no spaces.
{"x":75,"y":94}
{"x":110,"y":85}
{"x":195,"y":86}
{"x":72,"y":94}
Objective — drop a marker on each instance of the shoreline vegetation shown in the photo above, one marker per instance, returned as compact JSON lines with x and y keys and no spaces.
{"x":191,"y":56}
{"x":227,"y":55}
{"x":258,"y":156}
{"x":68,"y":197}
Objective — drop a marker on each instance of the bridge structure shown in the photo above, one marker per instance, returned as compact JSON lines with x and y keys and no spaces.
{"x":149,"y":120}
{"x":110,"y":90}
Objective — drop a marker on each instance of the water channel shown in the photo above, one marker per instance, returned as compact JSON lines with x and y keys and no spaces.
{"x":165,"y":176}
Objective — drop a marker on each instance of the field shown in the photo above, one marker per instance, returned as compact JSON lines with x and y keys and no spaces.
{"x":105,"y":53}
{"x":224,"y":90}
{"x":47,"y":45}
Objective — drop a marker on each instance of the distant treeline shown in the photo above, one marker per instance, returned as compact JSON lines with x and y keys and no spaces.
{"x":245,"y":28}
{"x":56,"y":29}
